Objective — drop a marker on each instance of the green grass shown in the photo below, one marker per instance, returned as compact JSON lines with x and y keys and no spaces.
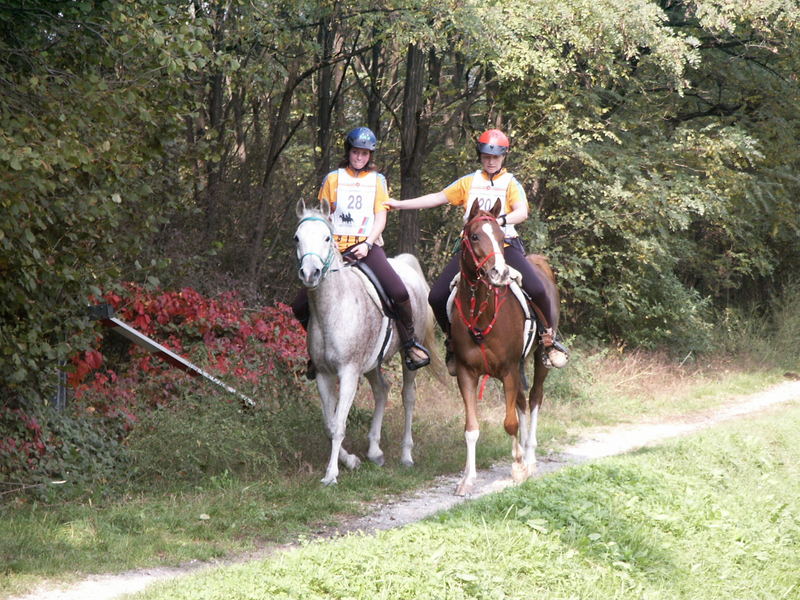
{"x":716,"y":515}
{"x":185,"y":474}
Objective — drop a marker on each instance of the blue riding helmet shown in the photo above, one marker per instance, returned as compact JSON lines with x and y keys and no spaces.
{"x":361,"y":137}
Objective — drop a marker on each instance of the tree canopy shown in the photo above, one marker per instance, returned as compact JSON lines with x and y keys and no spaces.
{"x":168,"y":141}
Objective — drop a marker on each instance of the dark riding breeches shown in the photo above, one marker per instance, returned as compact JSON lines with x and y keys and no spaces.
{"x":514,"y":254}
{"x":376,"y":260}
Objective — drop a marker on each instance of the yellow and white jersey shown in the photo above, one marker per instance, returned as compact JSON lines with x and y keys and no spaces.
{"x":354,"y":199}
{"x":478,"y":186}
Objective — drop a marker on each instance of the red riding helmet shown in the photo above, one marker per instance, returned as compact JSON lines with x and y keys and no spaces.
{"x":493,"y":141}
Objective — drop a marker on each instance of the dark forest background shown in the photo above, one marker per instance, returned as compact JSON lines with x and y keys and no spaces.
{"x":166,"y":143}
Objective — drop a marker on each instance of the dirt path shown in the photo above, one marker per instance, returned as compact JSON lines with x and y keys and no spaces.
{"x":414,"y":507}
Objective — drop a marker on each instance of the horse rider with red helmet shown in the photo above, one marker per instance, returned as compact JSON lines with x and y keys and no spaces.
{"x":485,"y":186}
{"x":357,"y":230}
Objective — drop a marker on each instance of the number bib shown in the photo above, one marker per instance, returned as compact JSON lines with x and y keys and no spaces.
{"x":486,"y":193}
{"x":355,"y":204}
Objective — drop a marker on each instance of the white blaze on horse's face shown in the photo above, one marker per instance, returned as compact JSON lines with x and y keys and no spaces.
{"x":497,"y":273}
{"x":314,"y":251}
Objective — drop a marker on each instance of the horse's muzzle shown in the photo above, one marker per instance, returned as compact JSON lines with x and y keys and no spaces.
{"x":310,"y":276}
{"x":499,"y":275}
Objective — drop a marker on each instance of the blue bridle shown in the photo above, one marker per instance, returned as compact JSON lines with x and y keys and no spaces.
{"x":326,"y":262}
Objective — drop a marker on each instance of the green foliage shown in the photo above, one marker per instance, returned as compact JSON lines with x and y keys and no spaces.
{"x":204,"y":437}
{"x":49,"y":453}
{"x":653,"y":151}
{"x":87,"y":144}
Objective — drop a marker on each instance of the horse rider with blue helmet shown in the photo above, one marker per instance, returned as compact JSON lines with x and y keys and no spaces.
{"x":357,"y":193}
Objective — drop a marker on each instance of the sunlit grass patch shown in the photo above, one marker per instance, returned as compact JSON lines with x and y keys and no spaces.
{"x":655,"y":524}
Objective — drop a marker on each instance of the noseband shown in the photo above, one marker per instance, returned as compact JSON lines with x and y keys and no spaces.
{"x":326,"y":262}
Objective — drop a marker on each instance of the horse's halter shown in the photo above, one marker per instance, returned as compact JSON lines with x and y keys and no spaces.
{"x":326,"y":262}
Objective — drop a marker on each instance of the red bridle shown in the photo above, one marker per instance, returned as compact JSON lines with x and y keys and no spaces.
{"x":466,"y":241}
{"x":475,"y":310}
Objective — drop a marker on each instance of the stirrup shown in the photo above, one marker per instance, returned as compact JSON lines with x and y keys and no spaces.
{"x":411,"y":364}
{"x":555,"y":356}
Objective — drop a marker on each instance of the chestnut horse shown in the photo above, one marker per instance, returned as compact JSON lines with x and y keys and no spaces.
{"x":487,"y":333}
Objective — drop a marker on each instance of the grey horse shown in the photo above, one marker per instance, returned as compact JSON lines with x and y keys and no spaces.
{"x":347,"y":333}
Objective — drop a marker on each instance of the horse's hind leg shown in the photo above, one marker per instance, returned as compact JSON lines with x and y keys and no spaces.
{"x":380,"y":392}
{"x":531,"y":420}
{"x":409,"y":394}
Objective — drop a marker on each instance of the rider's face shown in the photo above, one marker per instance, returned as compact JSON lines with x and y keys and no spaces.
{"x":491,"y":163}
{"x":358,"y":157}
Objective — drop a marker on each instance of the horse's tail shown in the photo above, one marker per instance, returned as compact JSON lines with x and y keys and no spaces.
{"x":437,"y":366}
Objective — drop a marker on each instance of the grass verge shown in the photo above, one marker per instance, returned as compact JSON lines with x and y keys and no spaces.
{"x":657,"y":524}
{"x":218,"y":510}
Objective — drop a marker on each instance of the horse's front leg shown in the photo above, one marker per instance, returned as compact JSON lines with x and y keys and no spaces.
{"x":380,"y":392}
{"x":468,"y":385}
{"x":335,"y":414}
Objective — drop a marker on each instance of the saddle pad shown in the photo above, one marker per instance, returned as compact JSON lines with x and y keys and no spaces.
{"x":369,"y":287}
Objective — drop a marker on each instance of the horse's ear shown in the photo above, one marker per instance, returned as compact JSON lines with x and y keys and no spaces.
{"x":300,"y":208}
{"x":498,"y":206}
{"x":325,"y":207}
{"x":474,"y":209}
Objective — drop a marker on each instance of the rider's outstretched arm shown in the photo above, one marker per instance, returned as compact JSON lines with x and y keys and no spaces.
{"x":426,"y":201}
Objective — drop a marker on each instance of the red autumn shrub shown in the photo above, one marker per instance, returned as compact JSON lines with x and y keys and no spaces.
{"x":244,"y":347}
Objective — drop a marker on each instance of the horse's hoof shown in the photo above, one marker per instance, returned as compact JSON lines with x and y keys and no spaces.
{"x":407,"y":462}
{"x":328,"y":481}
{"x":352,"y":462}
{"x":519,"y":472}
{"x":378,"y":459}
{"x":464,"y":488}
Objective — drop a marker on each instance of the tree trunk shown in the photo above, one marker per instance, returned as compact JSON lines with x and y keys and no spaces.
{"x":374,"y":98}
{"x":325,"y":100}
{"x":414,"y":128}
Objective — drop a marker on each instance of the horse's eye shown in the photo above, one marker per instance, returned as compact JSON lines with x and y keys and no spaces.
{"x":296,"y":240}
{"x":328,"y":238}
{"x":474,"y":237}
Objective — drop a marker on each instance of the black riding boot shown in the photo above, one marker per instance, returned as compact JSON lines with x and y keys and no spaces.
{"x":416,"y":355}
